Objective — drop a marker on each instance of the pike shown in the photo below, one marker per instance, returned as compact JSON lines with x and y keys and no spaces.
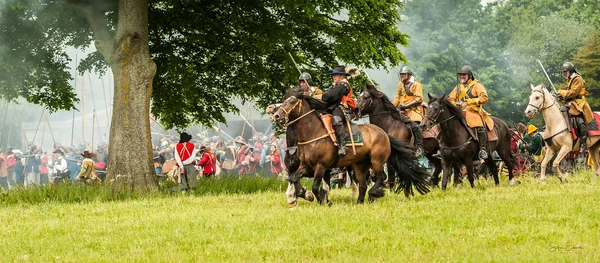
{"x":293,"y":60}
{"x":247,"y":122}
{"x":548,"y":77}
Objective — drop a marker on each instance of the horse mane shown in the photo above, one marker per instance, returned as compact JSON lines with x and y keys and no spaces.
{"x":372,"y":90}
{"x":456,"y":111}
{"x":299,"y":94}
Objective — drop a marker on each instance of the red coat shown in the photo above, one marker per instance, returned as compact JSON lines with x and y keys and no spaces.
{"x":185,"y":153}
{"x":209,"y":163}
{"x":44,"y":165}
{"x":276,"y":163}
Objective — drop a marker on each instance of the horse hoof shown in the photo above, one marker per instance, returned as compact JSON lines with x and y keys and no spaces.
{"x":329,"y":203}
{"x":309,"y":197}
{"x":293,"y":205}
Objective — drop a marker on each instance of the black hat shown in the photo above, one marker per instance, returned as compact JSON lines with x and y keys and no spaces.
{"x":88,"y":154}
{"x":203,"y":149}
{"x":184,"y":137}
{"x":59,"y":151}
{"x":339,"y":70}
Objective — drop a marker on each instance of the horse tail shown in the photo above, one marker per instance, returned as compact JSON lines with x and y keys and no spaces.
{"x":410,"y":172}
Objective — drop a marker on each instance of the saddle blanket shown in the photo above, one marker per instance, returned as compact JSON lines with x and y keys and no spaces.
{"x":593,"y":129}
{"x":357,"y":135}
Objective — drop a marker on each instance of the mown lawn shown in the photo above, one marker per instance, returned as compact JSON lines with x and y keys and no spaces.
{"x":525,"y":223}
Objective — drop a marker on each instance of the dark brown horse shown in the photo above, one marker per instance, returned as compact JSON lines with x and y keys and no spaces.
{"x":317,"y":152}
{"x":382,"y":113}
{"x":458,"y":145}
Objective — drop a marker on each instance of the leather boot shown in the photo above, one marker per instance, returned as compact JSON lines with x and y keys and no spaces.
{"x":327,"y":121}
{"x":340,"y":133}
{"x":416,"y":129}
{"x":482,"y":136}
{"x":582,"y":132}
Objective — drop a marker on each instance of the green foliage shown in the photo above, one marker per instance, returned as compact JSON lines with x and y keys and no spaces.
{"x":500,"y":41}
{"x":487,"y":224}
{"x":208,"y":53}
{"x":587,"y":61}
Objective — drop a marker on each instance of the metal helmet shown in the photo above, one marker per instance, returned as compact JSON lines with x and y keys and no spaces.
{"x":466,"y":70}
{"x":306,"y":77}
{"x":405,"y":70}
{"x":568,"y":66}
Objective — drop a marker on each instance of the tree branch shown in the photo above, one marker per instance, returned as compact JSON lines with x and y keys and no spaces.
{"x":104,"y":39}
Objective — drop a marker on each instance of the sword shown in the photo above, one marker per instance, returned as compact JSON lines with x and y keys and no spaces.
{"x":543,"y":69}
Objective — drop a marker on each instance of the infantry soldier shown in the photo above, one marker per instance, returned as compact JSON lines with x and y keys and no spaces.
{"x":409,"y":97}
{"x":574,"y":96}
{"x":470,"y":95}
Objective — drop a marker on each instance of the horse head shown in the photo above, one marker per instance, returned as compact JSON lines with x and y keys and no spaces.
{"x":365,"y":99}
{"x":538,"y":100}
{"x":287,"y":109}
{"x":440,"y":110}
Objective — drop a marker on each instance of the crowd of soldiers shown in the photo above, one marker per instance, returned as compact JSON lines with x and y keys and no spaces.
{"x":36,"y":167}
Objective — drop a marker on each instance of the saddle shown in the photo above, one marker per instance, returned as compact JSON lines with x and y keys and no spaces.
{"x":593,"y":129}
{"x":356,"y":135}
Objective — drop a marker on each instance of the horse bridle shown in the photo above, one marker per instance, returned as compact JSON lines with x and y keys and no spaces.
{"x":434,"y":121}
{"x":541,"y":107}
{"x":287,"y":113}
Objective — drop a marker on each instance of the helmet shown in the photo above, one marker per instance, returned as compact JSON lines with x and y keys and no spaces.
{"x":568,"y":66}
{"x":405,"y":70}
{"x":465,"y":70}
{"x":306,"y":77}
{"x":531,"y":129}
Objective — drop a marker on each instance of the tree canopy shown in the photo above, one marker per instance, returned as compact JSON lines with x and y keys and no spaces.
{"x":207,"y":52}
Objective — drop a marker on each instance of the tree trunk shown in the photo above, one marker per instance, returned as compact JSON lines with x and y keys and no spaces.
{"x":130,"y":149}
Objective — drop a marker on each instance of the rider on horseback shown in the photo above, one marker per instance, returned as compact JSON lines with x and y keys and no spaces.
{"x":574,"y":96}
{"x":338,"y":96}
{"x":409,"y":97}
{"x":470,"y":95}
{"x":307,"y":85}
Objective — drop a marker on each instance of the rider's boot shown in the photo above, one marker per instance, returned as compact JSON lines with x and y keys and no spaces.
{"x":482,"y":136}
{"x":416,"y":129}
{"x":340,"y":133}
{"x":326,"y":119}
{"x":583,"y":133}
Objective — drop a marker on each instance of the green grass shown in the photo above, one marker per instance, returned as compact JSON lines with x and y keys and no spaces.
{"x":488,"y":223}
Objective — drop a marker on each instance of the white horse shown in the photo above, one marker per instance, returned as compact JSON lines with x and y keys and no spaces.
{"x":542,"y":101}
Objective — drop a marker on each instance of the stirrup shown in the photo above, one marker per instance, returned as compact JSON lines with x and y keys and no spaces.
{"x":342,"y":151}
{"x":582,"y":145}
{"x":483,"y":154}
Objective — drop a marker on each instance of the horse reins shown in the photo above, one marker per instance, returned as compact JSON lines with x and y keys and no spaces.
{"x":541,"y":107}
{"x":287,"y":114}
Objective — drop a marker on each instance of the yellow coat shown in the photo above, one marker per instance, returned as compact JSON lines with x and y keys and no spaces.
{"x":473,"y":95}
{"x":416,"y":94}
{"x":575,"y":93}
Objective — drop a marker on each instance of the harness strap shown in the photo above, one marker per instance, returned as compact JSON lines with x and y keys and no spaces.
{"x":303,"y":115}
{"x":313,"y":140}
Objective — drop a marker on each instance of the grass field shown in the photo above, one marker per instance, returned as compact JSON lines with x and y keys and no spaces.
{"x":525,"y":223}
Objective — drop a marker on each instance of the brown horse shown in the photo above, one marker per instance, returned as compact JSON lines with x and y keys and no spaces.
{"x":317,"y":152}
{"x":382,"y":113}
{"x":458,"y":145}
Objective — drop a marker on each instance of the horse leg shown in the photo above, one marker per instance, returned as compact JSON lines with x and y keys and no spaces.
{"x":470,"y":175}
{"x":564,"y":150}
{"x":595,"y":155}
{"x":457,"y":174}
{"x":391,"y":177}
{"x":446,"y":169}
{"x":508,"y":159}
{"x":489,"y":162}
{"x":437,"y":164}
{"x":360,"y":172}
{"x":317,"y":180}
{"x":376,"y":191}
{"x":544,"y":164}
{"x":295,"y":189}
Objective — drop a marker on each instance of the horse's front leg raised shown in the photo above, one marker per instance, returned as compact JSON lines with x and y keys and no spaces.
{"x":295,"y":189}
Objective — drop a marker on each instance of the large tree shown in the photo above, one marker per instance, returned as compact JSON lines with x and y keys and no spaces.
{"x":587,"y":62}
{"x":208,"y":52}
